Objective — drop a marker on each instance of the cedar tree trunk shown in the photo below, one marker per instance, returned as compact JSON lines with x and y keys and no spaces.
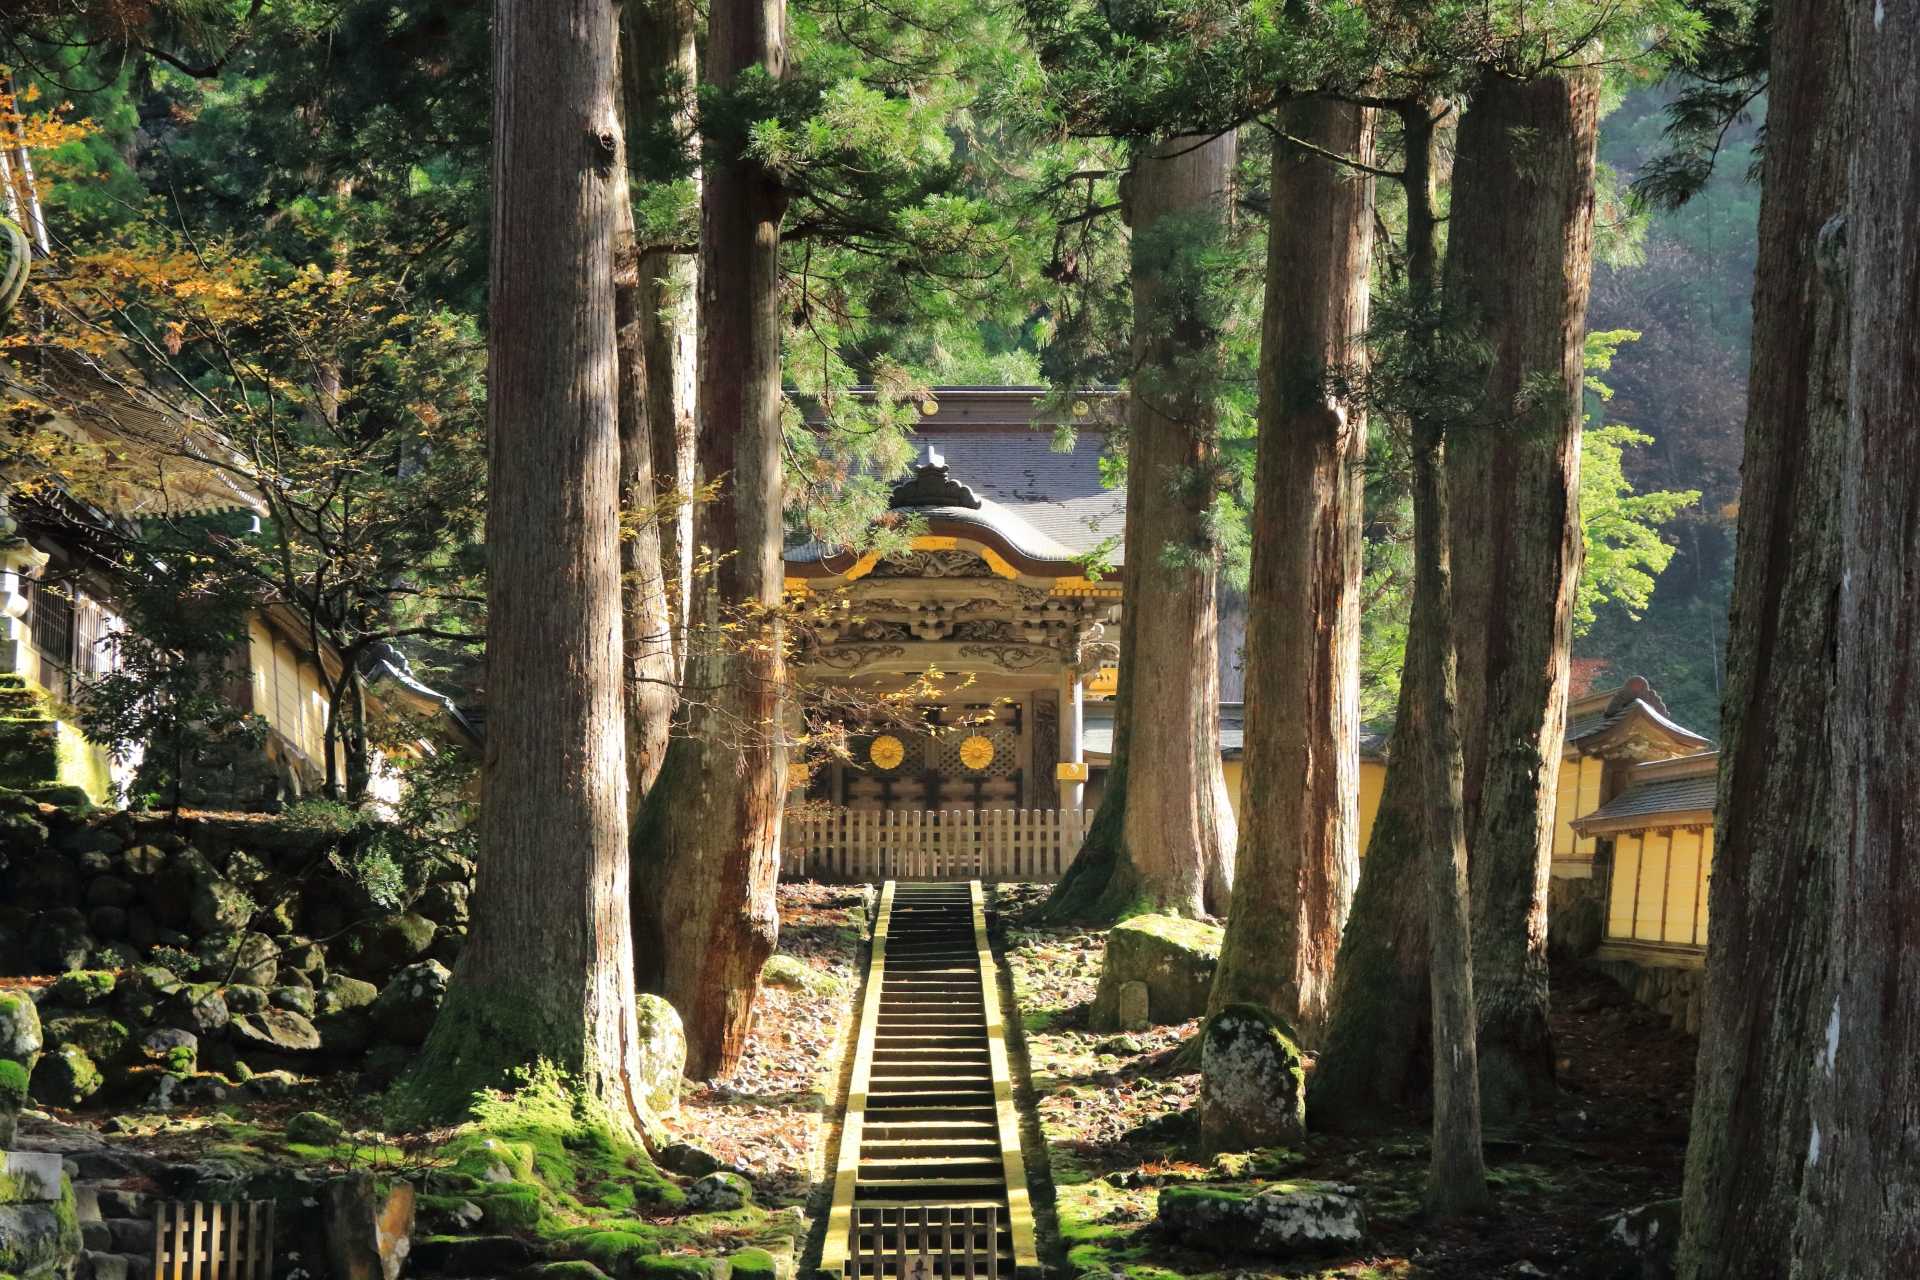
{"x":1299,"y":850}
{"x":1860,"y":1213}
{"x":647,"y":664}
{"x":658,"y":73}
{"x":1763,"y":1014}
{"x":1164,"y":835}
{"x":547,"y":969}
{"x":1518,"y":266}
{"x":707,"y":845}
{"x":1457,"y":1177}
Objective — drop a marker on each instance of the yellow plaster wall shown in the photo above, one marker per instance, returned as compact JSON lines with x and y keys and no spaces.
{"x":1660,"y":886}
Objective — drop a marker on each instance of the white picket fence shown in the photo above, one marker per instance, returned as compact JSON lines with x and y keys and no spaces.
{"x":867,"y":846}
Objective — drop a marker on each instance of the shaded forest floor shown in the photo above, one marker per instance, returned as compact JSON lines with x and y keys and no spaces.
{"x":1617,"y":1141}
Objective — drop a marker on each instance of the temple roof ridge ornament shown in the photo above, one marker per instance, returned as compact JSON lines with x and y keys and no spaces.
{"x":932,"y":486}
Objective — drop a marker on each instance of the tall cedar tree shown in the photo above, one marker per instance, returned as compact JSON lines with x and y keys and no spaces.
{"x":1457,"y":1177}
{"x":1519,"y":260}
{"x":1763,"y":1017}
{"x":658,"y":70}
{"x":1163,"y":837}
{"x":547,"y":971}
{"x":706,"y":847}
{"x":650,"y":690}
{"x":1299,"y":852}
{"x":1861,"y":1202}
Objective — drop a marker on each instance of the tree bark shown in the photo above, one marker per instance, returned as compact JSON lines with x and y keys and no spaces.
{"x":1299,"y":853}
{"x":659,"y":69}
{"x":1457,"y":1176}
{"x":1763,"y":1017}
{"x":1378,"y":1048}
{"x":547,"y":969}
{"x":1518,"y":267}
{"x":1860,"y":1214}
{"x":706,"y":847}
{"x":648,"y":675}
{"x":1165,"y":831}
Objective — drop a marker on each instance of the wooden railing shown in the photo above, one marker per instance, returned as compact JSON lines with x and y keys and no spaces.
{"x":856,"y":846}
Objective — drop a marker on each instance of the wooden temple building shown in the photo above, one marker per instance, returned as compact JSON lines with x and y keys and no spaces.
{"x":1002,"y":776}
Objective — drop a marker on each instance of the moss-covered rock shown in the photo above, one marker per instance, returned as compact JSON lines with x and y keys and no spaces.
{"x":58,"y":941}
{"x":613,"y":1252}
{"x":510,"y":1207}
{"x":680,"y":1266}
{"x":719,"y":1192}
{"x":1282,"y":1220}
{"x":220,"y":906}
{"x":1175,"y":958}
{"x":198,"y":1007}
{"x":20,"y":1033}
{"x":1252,"y":1085}
{"x":40,"y":1238}
{"x":405,"y":1010}
{"x":379,"y":946}
{"x":84,"y":987}
{"x":795,"y":974}
{"x":314,"y":1129}
{"x":101,"y":1037}
{"x":65,"y":1077}
{"x":760,"y":1264}
{"x":274,"y":1030}
{"x":663,"y":1053}
{"x":173,"y":1050}
{"x":1634,"y":1242}
{"x":14,"y":1088}
{"x":340,"y":992}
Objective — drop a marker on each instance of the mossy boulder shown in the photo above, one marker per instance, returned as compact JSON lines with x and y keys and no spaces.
{"x":1174,"y":958}
{"x":275,"y":1030}
{"x":313,"y":1129}
{"x":375,"y":948}
{"x":1283,"y":1220}
{"x":20,"y":1034}
{"x":43,"y":881}
{"x":1630,"y":1244}
{"x":613,"y":1252}
{"x":220,"y":906}
{"x":510,"y":1207}
{"x":663,"y":1053}
{"x":65,"y":1077}
{"x":348,"y":1031}
{"x":680,"y":1266}
{"x":1252,"y":1085}
{"x":83,"y":987}
{"x":760,"y":1264}
{"x":14,"y":1088}
{"x":99,"y":1036}
{"x":340,"y":992}
{"x":175,"y":1051}
{"x":40,"y":1238}
{"x":795,"y":974}
{"x":59,"y":941}
{"x":719,"y":1193}
{"x":405,"y":1010}
{"x":197,"y":1007}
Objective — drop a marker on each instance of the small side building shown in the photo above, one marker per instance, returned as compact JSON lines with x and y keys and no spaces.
{"x":1657,"y":839}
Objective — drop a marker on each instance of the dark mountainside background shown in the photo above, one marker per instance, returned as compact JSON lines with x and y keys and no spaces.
{"x":1684,"y":383}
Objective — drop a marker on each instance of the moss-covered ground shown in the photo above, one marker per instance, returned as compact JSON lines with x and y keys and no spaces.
{"x":537,"y":1162}
{"x":1615,"y":1141}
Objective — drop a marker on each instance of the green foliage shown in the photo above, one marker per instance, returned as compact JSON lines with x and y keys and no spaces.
{"x":163,"y":703}
{"x":1624,"y":549}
